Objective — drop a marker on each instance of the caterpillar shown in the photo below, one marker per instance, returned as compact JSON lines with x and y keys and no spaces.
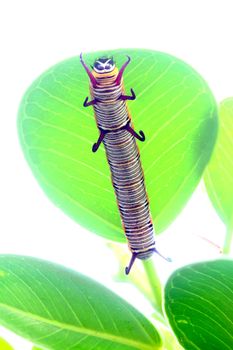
{"x":118,"y":136}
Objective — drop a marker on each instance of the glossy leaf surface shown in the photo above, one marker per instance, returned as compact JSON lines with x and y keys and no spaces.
{"x":60,"y":309}
{"x":175,"y":109}
{"x":219,"y":172}
{"x":199,"y":305}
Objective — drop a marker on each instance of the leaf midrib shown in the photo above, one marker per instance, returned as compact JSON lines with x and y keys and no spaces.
{"x":84,"y":331}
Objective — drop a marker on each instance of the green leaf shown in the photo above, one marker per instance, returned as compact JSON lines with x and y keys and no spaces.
{"x":62,"y":309}
{"x":219,"y":172}
{"x":175,"y":109}
{"x":4,"y":345}
{"x":199,"y":305}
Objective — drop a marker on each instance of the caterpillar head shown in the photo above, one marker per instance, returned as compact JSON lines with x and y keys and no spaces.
{"x":104,"y":65}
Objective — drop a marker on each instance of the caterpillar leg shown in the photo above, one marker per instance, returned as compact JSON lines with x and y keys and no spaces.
{"x":90,"y":103}
{"x":121,"y":71}
{"x":140,"y":136}
{"x":100,"y":139}
{"x":125,"y":97}
{"x":128,"y":268}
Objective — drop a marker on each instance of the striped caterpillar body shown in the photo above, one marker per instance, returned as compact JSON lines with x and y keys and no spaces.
{"x":118,"y":136}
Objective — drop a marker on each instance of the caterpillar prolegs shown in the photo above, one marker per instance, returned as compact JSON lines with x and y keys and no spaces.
{"x":119,"y":139}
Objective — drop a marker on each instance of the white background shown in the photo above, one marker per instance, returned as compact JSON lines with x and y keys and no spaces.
{"x":38,"y":34}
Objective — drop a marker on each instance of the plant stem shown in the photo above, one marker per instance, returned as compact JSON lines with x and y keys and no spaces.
{"x":228,"y":238}
{"x":154,"y":282}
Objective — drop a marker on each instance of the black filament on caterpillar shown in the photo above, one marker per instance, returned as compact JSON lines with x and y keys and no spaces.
{"x":118,"y":136}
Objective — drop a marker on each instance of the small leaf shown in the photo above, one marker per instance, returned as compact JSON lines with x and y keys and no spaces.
{"x":219,"y":172}
{"x":174,"y":107}
{"x":60,"y":309}
{"x":199,"y":305}
{"x":4,"y":345}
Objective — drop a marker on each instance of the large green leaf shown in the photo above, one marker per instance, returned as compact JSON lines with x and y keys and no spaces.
{"x":61,"y":309}
{"x":4,"y":345}
{"x":199,"y":305}
{"x":219,"y":173}
{"x":174,"y":108}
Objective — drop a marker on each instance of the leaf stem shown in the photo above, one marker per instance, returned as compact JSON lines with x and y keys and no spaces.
{"x":154,"y":282}
{"x":228,"y":238}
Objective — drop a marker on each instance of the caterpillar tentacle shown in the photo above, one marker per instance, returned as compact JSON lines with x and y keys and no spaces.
{"x":100,"y":139}
{"x":140,"y":136}
{"x":90,"y":103}
{"x":125,"y":97}
{"x":128,"y":268}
